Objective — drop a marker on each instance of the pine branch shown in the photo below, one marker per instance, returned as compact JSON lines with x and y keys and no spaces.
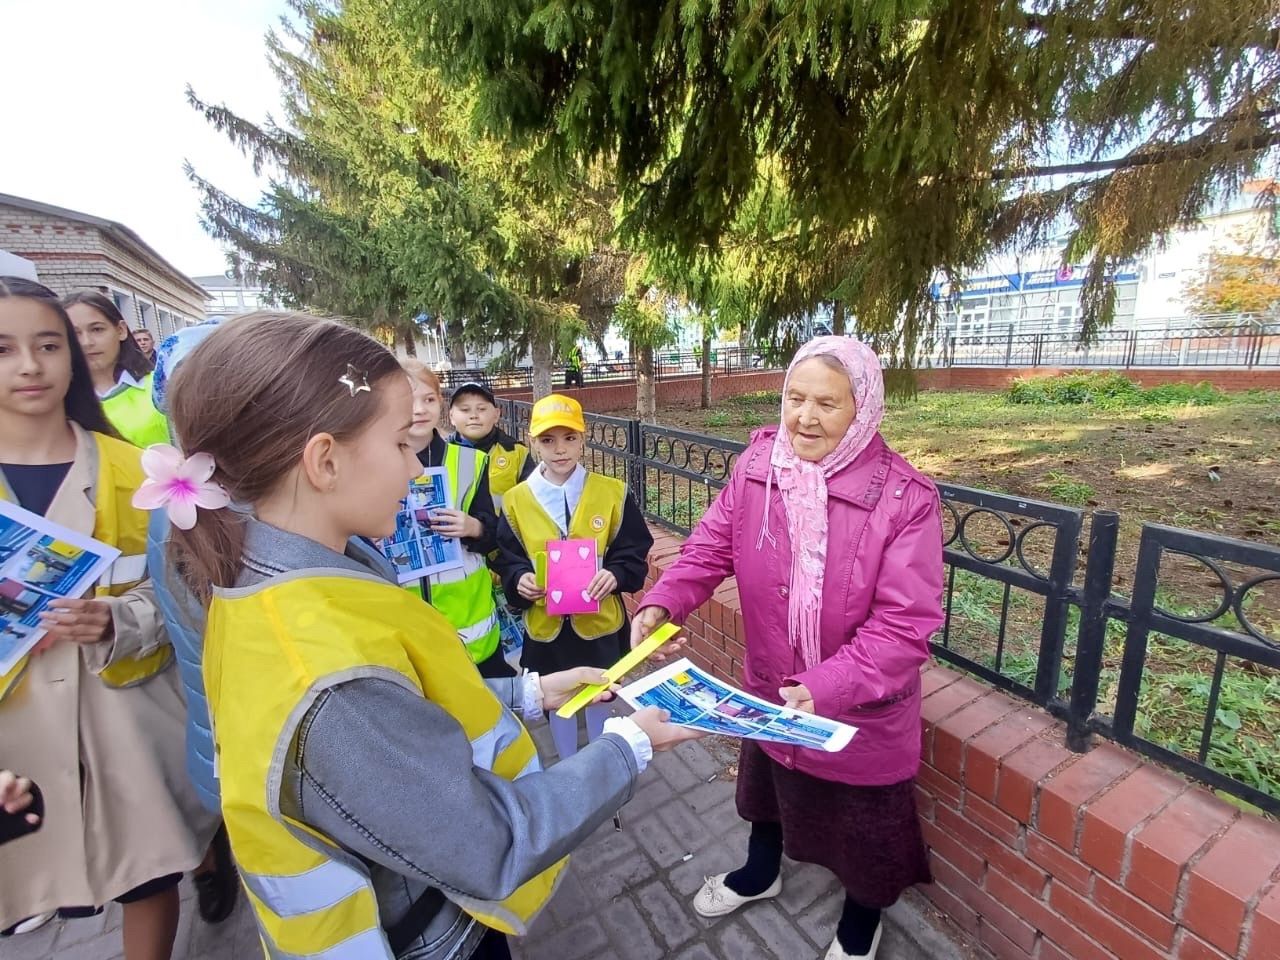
{"x":1051,"y":23}
{"x":1176,"y":154}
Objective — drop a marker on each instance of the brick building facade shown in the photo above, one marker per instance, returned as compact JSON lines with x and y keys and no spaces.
{"x":76,"y":251}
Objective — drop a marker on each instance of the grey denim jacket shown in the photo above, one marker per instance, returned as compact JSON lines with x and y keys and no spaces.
{"x":387,"y":775}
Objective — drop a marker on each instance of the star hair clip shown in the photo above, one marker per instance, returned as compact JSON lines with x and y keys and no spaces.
{"x":357,"y":381}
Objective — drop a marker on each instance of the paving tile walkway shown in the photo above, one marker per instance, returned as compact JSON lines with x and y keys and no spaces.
{"x":627,"y":895}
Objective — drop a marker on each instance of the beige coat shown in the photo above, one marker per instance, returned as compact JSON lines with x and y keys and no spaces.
{"x":139,"y":817}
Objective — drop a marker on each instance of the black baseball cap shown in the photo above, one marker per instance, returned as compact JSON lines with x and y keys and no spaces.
{"x":472,"y":386}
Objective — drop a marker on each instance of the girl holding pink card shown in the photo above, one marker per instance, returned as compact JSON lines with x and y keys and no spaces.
{"x":570,"y":543}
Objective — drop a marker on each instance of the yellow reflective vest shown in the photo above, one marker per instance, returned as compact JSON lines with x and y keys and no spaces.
{"x":504,"y":470}
{"x":598,"y":517}
{"x":270,"y":651}
{"x":119,"y":523}
{"x":465,"y":594}
{"x":133,"y":413}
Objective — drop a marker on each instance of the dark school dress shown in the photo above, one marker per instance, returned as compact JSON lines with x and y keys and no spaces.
{"x":868,"y":836}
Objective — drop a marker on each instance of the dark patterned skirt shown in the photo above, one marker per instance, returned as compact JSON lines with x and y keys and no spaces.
{"x":869,"y":837}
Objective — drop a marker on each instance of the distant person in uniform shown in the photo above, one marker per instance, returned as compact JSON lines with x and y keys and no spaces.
{"x":573,"y":368}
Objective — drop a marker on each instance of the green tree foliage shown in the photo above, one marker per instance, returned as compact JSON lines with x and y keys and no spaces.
{"x":852,"y":150}
{"x":388,"y":203}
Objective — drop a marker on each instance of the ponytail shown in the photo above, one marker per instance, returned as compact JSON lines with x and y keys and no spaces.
{"x":209,"y":554}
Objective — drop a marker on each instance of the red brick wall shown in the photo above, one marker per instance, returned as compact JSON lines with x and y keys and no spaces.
{"x":687,"y":390}
{"x":998,"y":378}
{"x":1043,"y":854}
{"x":674,"y":390}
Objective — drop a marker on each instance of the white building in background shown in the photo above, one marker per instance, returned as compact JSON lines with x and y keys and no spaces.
{"x":229,"y":296}
{"x":1035,"y":293}
{"x":68,"y":251}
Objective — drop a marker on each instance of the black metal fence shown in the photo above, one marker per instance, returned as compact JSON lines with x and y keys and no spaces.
{"x":1186,"y":669}
{"x":1245,"y":346}
{"x":604,"y":370}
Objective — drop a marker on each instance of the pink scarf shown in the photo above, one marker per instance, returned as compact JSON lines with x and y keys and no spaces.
{"x":803,"y":485}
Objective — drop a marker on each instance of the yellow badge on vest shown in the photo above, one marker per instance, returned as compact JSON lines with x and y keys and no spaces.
{"x":501,"y":462}
{"x":597,"y":522}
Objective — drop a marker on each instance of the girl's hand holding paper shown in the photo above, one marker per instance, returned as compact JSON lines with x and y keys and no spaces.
{"x":80,"y":621}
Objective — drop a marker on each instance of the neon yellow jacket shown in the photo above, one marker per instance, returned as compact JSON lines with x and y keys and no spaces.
{"x":270,"y":651}
{"x":133,"y":413}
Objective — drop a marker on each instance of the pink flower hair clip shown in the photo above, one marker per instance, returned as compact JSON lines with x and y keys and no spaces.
{"x":178,"y":484}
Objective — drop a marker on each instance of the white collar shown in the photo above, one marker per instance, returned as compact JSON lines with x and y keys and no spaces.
{"x":559,"y":501}
{"x":125,"y":380}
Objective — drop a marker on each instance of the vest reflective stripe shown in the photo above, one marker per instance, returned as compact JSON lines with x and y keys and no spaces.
{"x":134,"y":415}
{"x":598,"y":517}
{"x":465,"y":595}
{"x":471,"y":634}
{"x":486,"y":748}
{"x":125,"y":570}
{"x":317,"y":889}
{"x":363,"y":946}
{"x":118,"y":473}
{"x":471,"y":562}
{"x":270,"y":651}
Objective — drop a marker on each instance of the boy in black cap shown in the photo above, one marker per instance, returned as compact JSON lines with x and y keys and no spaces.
{"x":474,"y":413}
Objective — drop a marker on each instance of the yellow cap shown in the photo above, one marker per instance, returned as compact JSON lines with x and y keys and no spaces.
{"x":556,"y":410}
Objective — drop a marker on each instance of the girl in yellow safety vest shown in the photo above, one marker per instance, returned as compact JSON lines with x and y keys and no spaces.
{"x":121,"y":371}
{"x":381,"y":798}
{"x":563,"y":500}
{"x":92,"y":714}
{"x":464,"y":595}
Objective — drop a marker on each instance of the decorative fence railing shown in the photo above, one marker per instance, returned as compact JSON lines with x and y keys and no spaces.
{"x":1186,"y":669}
{"x":1246,"y":346}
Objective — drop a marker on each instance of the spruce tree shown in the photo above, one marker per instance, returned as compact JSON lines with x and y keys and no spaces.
{"x":388,"y":204}
{"x":907,"y":139}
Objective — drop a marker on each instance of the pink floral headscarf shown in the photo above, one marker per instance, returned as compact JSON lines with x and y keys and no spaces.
{"x":803,"y":485}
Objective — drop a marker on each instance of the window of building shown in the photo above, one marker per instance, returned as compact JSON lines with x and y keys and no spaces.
{"x":147,"y":317}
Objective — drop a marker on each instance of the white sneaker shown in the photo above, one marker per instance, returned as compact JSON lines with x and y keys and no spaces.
{"x":715,"y":899}
{"x":837,"y":952}
{"x":32,"y":924}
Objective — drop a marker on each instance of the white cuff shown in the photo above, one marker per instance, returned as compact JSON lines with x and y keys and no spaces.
{"x":531,"y":701}
{"x":636,"y":738}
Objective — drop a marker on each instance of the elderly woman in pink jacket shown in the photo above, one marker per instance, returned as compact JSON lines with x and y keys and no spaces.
{"x":836,"y":543}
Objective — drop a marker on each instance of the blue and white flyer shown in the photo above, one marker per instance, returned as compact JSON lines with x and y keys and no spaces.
{"x":40,"y":561}
{"x":696,"y":699}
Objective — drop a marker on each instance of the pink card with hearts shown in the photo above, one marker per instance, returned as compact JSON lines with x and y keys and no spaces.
{"x":570,"y":566}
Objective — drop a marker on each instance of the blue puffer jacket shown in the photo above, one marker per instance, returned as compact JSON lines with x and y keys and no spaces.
{"x":183,"y":615}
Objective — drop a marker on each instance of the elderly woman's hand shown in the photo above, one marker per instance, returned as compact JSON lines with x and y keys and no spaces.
{"x":649,"y":619}
{"x":797,"y":697}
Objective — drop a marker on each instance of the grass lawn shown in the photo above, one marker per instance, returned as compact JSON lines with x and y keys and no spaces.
{"x":1148,"y":457}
